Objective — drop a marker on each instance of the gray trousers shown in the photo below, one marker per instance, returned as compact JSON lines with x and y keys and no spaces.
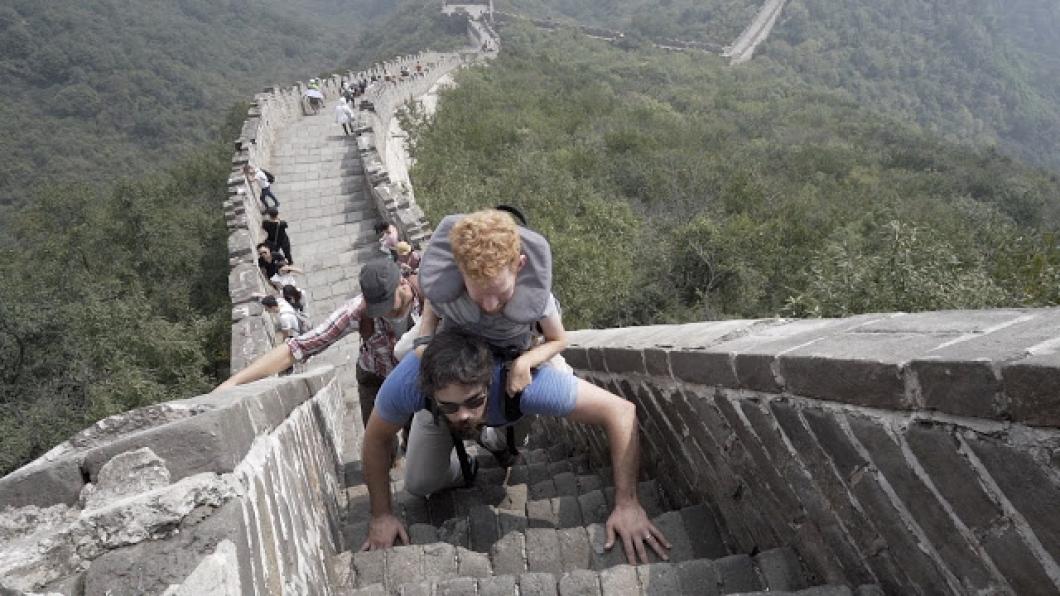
{"x":431,"y":463}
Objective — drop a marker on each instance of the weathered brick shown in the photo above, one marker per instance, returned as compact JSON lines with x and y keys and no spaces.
{"x":835,"y":554}
{"x":593,"y":507}
{"x":575,"y":550}
{"x":703,"y":533}
{"x":595,"y":357}
{"x":780,"y":569}
{"x":672,"y":526}
{"x":922,"y":505}
{"x":657,"y":362}
{"x":537,"y":584}
{"x":544,"y":489}
{"x":788,"y":509}
{"x":418,"y":589}
{"x":737,"y":574}
{"x":1030,"y":386}
{"x":580,"y":582}
{"x":43,"y":485}
{"x":542,"y":551}
{"x":511,"y":521}
{"x":566,"y":483}
{"x":483,"y":529}
{"x":893,"y":527}
{"x":577,"y":357}
{"x":588,"y":483}
{"x":965,"y":387}
{"x":659,"y":579}
{"x":743,"y":518}
{"x":935,"y":447}
{"x":538,"y":473}
{"x":370,"y":567}
{"x":862,"y":531}
{"x":457,"y":586}
{"x":621,"y":580}
{"x":455,"y":531}
{"x":1015,"y":561}
{"x":624,"y":361}
{"x":1027,"y":486}
{"x":567,"y":511}
{"x":699,"y":576}
{"x":509,"y":554}
{"x":703,"y":368}
{"x":857,"y":368}
{"x":539,"y":514}
{"x":503,"y":585}
{"x":472,"y":564}
{"x":404,"y":564}
{"x":439,"y":560}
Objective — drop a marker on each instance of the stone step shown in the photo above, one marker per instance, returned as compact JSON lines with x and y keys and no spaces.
{"x":445,"y":569}
{"x":586,"y":491}
{"x":354,"y":256}
{"x":508,"y":510}
{"x":516,"y":548}
{"x":354,"y":214}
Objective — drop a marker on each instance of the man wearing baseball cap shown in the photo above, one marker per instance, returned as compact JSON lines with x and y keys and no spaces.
{"x":381,"y":314}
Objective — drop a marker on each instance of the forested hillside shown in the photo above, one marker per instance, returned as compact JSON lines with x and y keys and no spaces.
{"x":980,"y":71}
{"x":117,"y":287}
{"x":716,"y":21}
{"x":676,"y":188}
{"x":93,"y":89}
{"x":985,"y":72}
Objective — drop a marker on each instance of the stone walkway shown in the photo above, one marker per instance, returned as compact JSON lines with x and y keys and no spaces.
{"x":320,"y":185}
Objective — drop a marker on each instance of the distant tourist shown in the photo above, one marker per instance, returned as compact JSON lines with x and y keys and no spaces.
{"x":388,"y":237}
{"x":344,"y":116}
{"x":272,"y":264}
{"x":287,"y":323}
{"x":296,"y":297}
{"x":264,"y":180}
{"x":407,"y":259}
{"x":276,"y":234}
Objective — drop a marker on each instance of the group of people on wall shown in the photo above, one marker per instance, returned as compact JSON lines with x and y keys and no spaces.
{"x":458,"y":344}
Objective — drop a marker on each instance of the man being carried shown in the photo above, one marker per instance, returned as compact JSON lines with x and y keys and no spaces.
{"x":491,"y":283}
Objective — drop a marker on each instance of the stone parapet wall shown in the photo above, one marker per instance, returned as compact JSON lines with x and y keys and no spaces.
{"x":238,"y":492}
{"x":394,"y":202}
{"x":917,"y":451}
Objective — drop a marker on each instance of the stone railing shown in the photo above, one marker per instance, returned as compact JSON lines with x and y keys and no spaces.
{"x":917,"y":451}
{"x":234,"y":493}
{"x":393,"y":201}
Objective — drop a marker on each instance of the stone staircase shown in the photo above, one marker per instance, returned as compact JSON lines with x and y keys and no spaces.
{"x":537,"y":529}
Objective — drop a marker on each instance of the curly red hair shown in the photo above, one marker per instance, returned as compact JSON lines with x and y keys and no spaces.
{"x":485,"y":243}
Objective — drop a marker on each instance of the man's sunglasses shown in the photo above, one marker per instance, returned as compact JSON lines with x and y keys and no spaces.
{"x":470,"y":403}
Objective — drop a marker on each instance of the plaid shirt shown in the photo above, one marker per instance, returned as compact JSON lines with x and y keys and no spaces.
{"x":377,"y":351}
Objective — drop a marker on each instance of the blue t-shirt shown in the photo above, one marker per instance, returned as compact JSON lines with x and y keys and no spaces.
{"x":550,"y":393}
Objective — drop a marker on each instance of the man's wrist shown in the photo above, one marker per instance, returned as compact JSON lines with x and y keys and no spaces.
{"x":422,"y":340}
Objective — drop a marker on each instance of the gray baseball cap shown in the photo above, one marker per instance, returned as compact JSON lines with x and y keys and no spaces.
{"x":379,"y":281}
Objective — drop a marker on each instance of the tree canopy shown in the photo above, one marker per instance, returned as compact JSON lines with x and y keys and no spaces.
{"x":676,"y":188}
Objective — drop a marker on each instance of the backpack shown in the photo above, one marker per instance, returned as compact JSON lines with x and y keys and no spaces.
{"x":269,"y":176}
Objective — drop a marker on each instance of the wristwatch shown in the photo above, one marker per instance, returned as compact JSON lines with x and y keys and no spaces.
{"x":422,"y":340}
